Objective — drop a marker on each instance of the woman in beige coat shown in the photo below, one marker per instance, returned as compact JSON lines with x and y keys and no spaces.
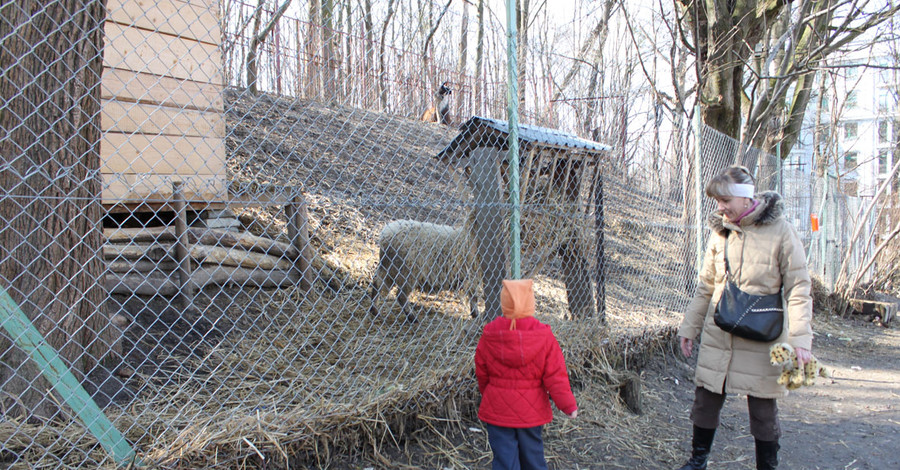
{"x":764,"y":255}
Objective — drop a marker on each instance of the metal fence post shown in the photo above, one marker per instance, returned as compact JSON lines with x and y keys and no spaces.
{"x":512,"y":100}
{"x":27,"y":337}
{"x":698,"y":220}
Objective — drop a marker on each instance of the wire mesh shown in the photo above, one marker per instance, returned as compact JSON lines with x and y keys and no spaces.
{"x":235,"y":275}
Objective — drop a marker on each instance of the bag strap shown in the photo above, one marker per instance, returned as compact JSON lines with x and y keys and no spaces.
{"x":727,"y":269}
{"x":728,"y":274}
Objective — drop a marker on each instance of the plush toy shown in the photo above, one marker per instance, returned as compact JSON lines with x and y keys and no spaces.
{"x":792,"y":375}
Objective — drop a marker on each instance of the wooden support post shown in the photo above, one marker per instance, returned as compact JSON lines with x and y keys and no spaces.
{"x":182,"y":248}
{"x":576,"y":272}
{"x":600,"y":233}
{"x":630,"y":392}
{"x":489,"y":226}
{"x":298,"y":232}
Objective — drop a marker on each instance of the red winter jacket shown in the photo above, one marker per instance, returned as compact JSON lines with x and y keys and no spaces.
{"x":516,"y":370}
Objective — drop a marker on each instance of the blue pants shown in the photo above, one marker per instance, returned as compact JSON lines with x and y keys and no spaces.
{"x":516,"y":448}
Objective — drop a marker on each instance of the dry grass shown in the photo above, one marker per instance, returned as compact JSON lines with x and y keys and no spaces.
{"x":302,"y":378}
{"x":324,"y":378}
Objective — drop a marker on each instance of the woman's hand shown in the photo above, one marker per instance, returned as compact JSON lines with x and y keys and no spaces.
{"x":687,"y":345}
{"x":803,"y":356}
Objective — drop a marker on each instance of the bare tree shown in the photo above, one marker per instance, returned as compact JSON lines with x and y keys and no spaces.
{"x":757,"y":60}
{"x":463,"y":40}
{"x":258,"y":38}
{"x":50,"y":235}
{"x":593,"y":44}
{"x":382,"y":72}
{"x":430,"y":37}
{"x":479,"y":59}
{"x":522,"y":12}
{"x":314,"y":80}
{"x":328,"y":53}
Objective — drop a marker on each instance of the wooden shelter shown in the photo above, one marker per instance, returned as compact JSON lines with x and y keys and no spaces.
{"x":560,"y":183}
{"x":162,"y":107}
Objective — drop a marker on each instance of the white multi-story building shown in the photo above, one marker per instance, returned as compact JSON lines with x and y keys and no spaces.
{"x":854,"y":128}
{"x":868,"y":124}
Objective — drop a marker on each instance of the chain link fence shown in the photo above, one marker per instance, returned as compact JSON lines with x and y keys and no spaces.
{"x":237,"y":278}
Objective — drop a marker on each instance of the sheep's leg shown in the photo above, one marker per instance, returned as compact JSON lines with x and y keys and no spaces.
{"x":403,"y":299}
{"x":374,"y":291}
{"x":473,"y":305}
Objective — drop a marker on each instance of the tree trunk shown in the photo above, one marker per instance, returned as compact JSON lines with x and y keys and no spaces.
{"x":463,"y":42}
{"x":369,"y":27}
{"x":382,"y":72}
{"x":258,"y":38}
{"x":51,"y":235}
{"x":328,"y":50}
{"x":347,"y":82}
{"x":479,"y":61}
{"x":430,"y":37}
{"x":720,"y":92}
{"x":313,"y":46}
{"x":252,"y":68}
{"x":597,"y":36}
{"x":726,"y":34}
{"x":522,"y":12}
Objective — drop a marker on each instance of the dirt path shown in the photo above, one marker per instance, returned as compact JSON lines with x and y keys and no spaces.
{"x":850,"y":422}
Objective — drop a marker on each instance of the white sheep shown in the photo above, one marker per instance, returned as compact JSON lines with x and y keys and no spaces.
{"x":427,"y":257}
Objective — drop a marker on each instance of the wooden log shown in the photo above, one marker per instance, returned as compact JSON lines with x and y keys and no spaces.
{"x":630,"y":392}
{"x":883,"y":310}
{"x":234,"y":257}
{"x":200,"y":253}
{"x":243,"y":240}
{"x":218,"y":237}
{"x":139,"y":235}
{"x":135,"y":251}
{"x":163,"y":283}
{"x":152,"y":283}
{"x":244,"y":277}
{"x":139,"y":266}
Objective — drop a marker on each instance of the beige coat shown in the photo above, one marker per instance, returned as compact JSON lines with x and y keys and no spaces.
{"x":764,"y":253}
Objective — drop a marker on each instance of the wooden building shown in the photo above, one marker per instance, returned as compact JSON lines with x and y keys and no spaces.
{"x":560,"y":182}
{"x":162,"y":107}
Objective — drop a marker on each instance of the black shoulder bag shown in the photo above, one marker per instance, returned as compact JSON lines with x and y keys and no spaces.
{"x":753,"y":317}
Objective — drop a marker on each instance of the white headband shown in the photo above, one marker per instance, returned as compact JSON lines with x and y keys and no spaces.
{"x":739,"y":190}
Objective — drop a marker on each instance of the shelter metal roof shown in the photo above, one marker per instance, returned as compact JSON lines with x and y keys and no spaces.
{"x":534,"y":135}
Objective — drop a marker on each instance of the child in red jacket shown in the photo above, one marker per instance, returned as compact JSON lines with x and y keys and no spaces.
{"x":520,"y":366}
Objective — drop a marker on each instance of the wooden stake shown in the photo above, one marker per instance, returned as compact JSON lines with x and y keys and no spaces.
{"x":298,"y":232}
{"x":182,"y":250}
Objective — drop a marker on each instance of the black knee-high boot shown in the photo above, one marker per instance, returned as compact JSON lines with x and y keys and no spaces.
{"x":767,"y":455}
{"x":701,"y":443}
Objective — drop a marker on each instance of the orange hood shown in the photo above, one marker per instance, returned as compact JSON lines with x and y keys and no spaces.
{"x":517,"y":300}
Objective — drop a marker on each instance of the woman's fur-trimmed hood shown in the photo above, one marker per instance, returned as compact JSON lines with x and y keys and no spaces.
{"x":770,"y":209}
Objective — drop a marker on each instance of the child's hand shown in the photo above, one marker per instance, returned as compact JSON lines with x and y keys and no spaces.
{"x":573,"y":415}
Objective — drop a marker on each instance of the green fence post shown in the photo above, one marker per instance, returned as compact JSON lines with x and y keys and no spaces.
{"x":512,"y":101}
{"x":27,"y":337}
